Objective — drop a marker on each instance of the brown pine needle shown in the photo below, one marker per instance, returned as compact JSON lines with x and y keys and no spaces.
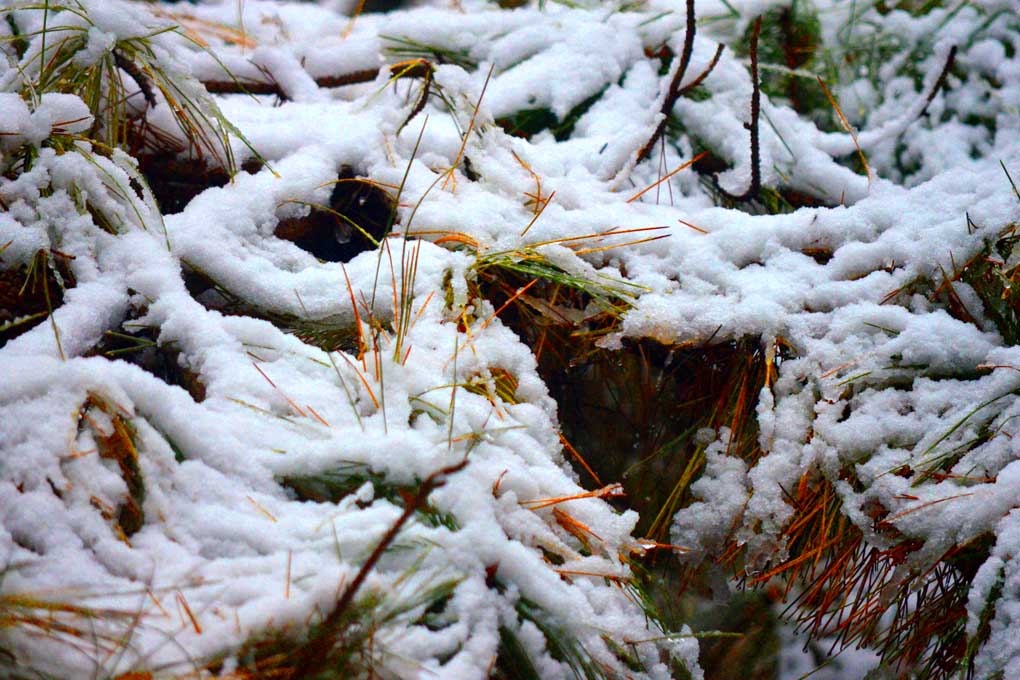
{"x":683,"y":166}
{"x":924,"y":505}
{"x":187,"y":610}
{"x":620,"y":245}
{"x":506,"y":304}
{"x":537,"y":196}
{"x":846,"y":125}
{"x":314,"y":655}
{"x":580,"y":459}
{"x":694,"y":227}
{"x":615,"y":578}
{"x":538,"y":213}
{"x":286,"y":589}
{"x":704,"y":74}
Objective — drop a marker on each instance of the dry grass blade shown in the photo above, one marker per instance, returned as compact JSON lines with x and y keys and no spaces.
{"x":846,"y":126}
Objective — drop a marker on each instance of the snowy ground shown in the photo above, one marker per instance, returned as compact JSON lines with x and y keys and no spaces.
{"x":224,"y":551}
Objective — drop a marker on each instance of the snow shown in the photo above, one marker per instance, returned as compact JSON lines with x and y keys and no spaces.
{"x":222,"y":533}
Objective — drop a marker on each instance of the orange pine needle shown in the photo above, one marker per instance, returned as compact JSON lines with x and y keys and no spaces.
{"x":580,"y":459}
{"x":651,"y":186}
{"x":610,"y":491}
{"x":598,"y":234}
{"x":364,"y":382}
{"x":354,"y":17}
{"x":357,"y":318}
{"x":506,"y":304}
{"x":293,"y":406}
{"x":574,"y":527}
{"x":496,"y":484}
{"x":694,"y":227}
{"x":316,"y":415}
{"x":421,"y":309}
{"x":538,"y":213}
{"x":620,"y":245}
{"x":187,"y":610}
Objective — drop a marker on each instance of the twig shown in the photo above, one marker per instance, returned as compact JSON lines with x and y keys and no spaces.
{"x":673,"y":93}
{"x":265,"y":87}
{"x":704,"y":74}
{"x":755,"y":188}
{"x":131,"y":68}
{"x":315,"y":654}
{"x":941,"y":81}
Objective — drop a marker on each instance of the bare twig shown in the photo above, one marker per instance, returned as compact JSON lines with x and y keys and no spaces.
{"x":673,"y":93}
{"x":269,"y":87}
{"x":131,"y":68}
{"x":704,"y":74}
{"x":941,"y":81}
{"x":315,"y":653}
{"x":755,"y":187}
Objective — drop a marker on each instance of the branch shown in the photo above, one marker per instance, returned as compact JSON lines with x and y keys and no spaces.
{"x":271,"y":87}
{"x":941,"y":82}
{"x":131,"y":68}
{"x":315,"y":654}
{"x":673,"y":93}
{"x":704,"y":74}
{"x":755,"y":188}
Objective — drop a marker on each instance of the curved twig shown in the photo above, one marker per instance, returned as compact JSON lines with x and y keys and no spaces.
{"x":704,"y":74}
{"x":941,"y":81}
{"x":673,"y":93}
{"x":755,"y":187}
{"x":131,"y":68}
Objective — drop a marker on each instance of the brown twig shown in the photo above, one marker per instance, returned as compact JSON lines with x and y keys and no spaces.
{"x":131,"y":68}
{"x":315,"y":653}
{"x":704,"y":74}
{"x":236,"y":86}
{"x":673,"y":93}
{"x":755,"y":187}
{"x":941,"y":81}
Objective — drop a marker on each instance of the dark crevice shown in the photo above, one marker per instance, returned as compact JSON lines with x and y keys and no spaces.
{"x":139,"y":345}
{"x":30,"y":293}
{"x":359,"y":212}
